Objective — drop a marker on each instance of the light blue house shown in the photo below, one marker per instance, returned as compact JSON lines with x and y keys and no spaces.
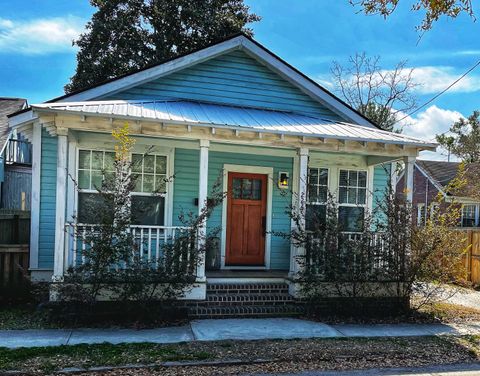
{"x":233,"y":110}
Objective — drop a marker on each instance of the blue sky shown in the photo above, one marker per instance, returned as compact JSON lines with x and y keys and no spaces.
{"x":37,"y":59}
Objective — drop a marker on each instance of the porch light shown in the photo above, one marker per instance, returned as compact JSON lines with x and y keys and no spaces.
{"x":283,"y":179}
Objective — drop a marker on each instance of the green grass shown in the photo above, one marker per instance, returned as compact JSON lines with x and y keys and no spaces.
{"x":49,"y":359}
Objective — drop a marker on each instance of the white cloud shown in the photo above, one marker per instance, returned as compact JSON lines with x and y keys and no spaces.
{"x":433,"y":79}
{"x":427,"y":124}
{"x":39,"y":36}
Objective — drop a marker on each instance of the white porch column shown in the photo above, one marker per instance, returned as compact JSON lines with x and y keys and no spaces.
{"x":59,"y":258}
{"x":408,"y":178}
{"x":202,"y":201}
{"x":300,"y":197}
{"x":35,"y":199}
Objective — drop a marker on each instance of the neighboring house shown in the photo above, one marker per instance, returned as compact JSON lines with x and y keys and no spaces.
{"x":432,"y":178}
{"x":233,"y":110}
{"x":15,"y":160}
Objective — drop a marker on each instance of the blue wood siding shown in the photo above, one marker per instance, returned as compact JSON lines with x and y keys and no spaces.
{"x":381,"y":179}
{"x":234,"y":78}
{"x":48,"y":179}
{"x":186,"y":165}
{"x":280,"y":248}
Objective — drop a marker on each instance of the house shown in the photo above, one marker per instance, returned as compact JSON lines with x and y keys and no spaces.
{"x":232,"y":110}
{"x":15,"y":160}
{"x":431,"y":178}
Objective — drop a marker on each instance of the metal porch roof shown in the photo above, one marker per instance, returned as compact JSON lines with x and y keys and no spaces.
{"x":209,"y":114}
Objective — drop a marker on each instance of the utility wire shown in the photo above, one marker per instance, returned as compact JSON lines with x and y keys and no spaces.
{"x":440,"y":93}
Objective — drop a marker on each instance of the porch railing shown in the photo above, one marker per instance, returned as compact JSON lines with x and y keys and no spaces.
{"x":150,"y":242}
{"x":353,"y":256}
{"x":18,"y":152}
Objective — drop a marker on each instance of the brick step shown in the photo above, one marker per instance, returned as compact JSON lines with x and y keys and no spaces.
{"x":291,"y":310}
{"x":247,"y":288}
{"x":248,"y":298}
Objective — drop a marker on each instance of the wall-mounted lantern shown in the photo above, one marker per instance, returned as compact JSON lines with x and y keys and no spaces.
{"x":283,"y":180}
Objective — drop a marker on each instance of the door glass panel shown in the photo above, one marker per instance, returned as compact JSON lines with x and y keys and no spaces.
{"x":247,"y":189}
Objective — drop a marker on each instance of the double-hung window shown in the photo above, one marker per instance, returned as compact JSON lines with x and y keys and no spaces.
{"x":317,"y":196}
{"x":149,"y":174}
{"x":468,"y":215}
{"x":352,"y":199}
{"x":421,"y":215}
{"x":148,"y":197}
{"x":94,"y":168}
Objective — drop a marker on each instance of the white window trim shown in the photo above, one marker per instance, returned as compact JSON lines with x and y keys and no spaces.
{"x":367,"y":191}
{"x":420,"y":207}
{"x":475,"y":216}
{"x":334,"y":182}
{"x":168,"y":196}
{"x":308,"y":202}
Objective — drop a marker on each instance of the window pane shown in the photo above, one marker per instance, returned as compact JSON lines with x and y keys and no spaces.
{"x":97,"y":178}
{"x":94,"y":208}
{"x":137,"y":180}
{"x":322,"y":194}
{"x":246,"y":189}
{"x":353,"y":178}
{"x":313,"y":176}
{"x":362,"y":196}
{"x":161,"y":167}
{"x":315,"y":217}
{"x":351,"y":219}
{"x":312,"y":193}
{"x":362,"y":178}
{"x":84,"y":159}
{"x":137,"y":162}
{"x":352,"y":195}
{"x":97,"y":160}
{"x":148,"y":210}
{"x":342,"y":195}
{"x":257,"y":189}
{"x":148,"y":183}
{"x":149,"y":164}
{"x":237,"y":188}
{"x":343,"y":177}
{"x":83,"y":179}
{"x":160,"y":184}
{"x":323,"y":179}
{"x":109,"y":161}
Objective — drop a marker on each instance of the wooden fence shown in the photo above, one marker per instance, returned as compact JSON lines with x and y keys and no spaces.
{"x":473,"y":256}
{"x":13,"y":265}
{"x":14,"y":249}
{"x":14,"y":227}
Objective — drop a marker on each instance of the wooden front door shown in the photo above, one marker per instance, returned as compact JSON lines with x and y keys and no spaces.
{"x":246,"y":219}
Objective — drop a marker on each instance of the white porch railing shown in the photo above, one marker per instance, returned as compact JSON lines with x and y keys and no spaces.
{"x":149,"y":241}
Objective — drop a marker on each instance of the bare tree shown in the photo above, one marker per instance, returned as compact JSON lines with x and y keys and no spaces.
{"x":377,"y":93}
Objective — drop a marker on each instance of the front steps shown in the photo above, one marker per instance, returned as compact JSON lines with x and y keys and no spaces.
{"x":259,"y":299}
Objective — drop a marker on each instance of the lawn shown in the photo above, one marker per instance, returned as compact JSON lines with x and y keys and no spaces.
{"x":276,"y":355}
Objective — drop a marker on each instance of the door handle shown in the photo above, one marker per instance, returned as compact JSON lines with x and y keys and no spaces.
{"x":264,"y":225}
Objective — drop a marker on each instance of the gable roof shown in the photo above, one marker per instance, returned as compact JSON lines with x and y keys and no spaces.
{"x":234,"y":42}
{"x":232,"y":117}
{"x":439,"y":172}
{"x":8,"y":106}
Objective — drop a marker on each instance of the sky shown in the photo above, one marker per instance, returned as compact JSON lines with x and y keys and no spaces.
{"x":37,"y":57}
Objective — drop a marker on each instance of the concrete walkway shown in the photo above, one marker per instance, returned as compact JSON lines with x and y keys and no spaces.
{"x":234,"y":329}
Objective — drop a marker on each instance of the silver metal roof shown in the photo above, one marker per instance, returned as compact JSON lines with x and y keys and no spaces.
{"x":200,"y":113}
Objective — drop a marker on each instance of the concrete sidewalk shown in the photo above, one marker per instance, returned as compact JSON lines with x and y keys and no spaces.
{"x":235,"y":329}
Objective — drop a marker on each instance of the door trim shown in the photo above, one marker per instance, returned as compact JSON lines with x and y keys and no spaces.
{"x":254,"y":170}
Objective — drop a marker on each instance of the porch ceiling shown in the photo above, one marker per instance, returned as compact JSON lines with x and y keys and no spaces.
{"x":221,"y":116}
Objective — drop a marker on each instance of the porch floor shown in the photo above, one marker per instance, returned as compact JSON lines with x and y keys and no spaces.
{"x":246,"y":274}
